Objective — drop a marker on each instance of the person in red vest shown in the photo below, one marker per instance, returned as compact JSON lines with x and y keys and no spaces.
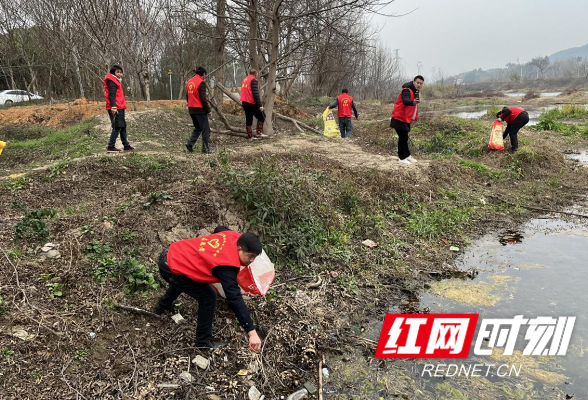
{"x":116,"y":106}
{"x":190,"y":265}
{"x":199,"y":110}
{"x":344,"y":104}
{"x":252,"y":106}
{"x":515,"y":119}
{"x":405,"y":111}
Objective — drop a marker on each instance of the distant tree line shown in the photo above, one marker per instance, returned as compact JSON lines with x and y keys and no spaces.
{"x":63,"y":48}
{"x":537,"y":68}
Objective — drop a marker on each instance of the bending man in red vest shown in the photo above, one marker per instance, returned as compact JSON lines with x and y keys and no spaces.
{"x":251,"y":103}
{"x":405,"y":111}
{"x":190,"y":265}
{"x":515,"y":119}
{"x":116,"y":105}
{"x":199,"y":111}
{"x":344,"y":104}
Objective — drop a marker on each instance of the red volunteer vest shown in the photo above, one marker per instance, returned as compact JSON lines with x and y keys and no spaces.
{"x":246,"y":92}
{"x":514,"y":113}
{"x":405,"y":113}
{"x":193,"y":94}
{"x":120,"y":96}
{"x":344,"y":108}
{"x":195,"y":258}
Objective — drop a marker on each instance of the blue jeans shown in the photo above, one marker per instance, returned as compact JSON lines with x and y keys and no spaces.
{"x":345,"y":127}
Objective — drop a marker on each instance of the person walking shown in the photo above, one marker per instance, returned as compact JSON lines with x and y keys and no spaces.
{"x":515,"y":119}
{"x":252,"y":105}
{"x":344,"y":104}
{"x":405,"y":111}
{"x":199,"y":110}
{"x":116,"y":106}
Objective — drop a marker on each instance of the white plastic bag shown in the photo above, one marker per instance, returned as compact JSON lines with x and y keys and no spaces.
{"x":254,"y":280}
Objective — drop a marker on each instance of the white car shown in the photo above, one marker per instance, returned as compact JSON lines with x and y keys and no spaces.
{"x":15,"y":96}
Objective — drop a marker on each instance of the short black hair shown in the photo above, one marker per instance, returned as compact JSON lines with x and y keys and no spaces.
{"x":249,"y":243}
{"x":220,"y":228}
{"x":200,"y":71}
{"x":115,"y":68}
{"x":344,"y":91}
{"x":418,"y":77}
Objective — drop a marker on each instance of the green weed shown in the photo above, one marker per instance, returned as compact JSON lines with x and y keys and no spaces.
{"x":33,"y":226}
{"x":136,"y":276}
{"x":482,"y":169}
{"x":156,"y":198}
{"x":55,"y":289}
{"x":286,"y":206}
{"x":24,"y":182}
{"x":58,"y":169}
{"x":434,"y":224}
{"x":7,"y":353}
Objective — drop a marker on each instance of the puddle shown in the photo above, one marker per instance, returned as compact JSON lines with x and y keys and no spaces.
{"x":582,"y":157}
{"x":543,"y":94}
{"x":549,"y":94}
{"x":542,"y":275}
{"x":469,"y":114}
{"x":539,"y":270}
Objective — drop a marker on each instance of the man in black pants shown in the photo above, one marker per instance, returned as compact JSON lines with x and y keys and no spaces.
{"x":252,"y":106}
{"x":405,"y":111}
{"x":515,"y":119}
{"x":199,"y":111}
{"x":191,"y":265}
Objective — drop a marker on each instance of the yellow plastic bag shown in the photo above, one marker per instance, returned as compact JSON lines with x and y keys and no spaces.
{"x":331,"y":128}
{"x":2,"y":145}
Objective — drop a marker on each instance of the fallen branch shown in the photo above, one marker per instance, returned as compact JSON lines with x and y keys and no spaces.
{"x":137,"y":310}
{"x":296,"y":123}
{"x":231,"y":130}
{"x":539,"y":208}
{"x":320,"y":378}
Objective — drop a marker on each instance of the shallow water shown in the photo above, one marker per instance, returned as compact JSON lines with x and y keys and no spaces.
{"x":539,"y":270}
{"x":582,"y":157}
{"x":543,"y":94}
{"x":545,"y":272}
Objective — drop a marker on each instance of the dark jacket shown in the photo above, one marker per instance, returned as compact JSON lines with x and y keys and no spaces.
{"x":112,"y":88}
{"x":255,"y":91}
{"x":406,"y":94}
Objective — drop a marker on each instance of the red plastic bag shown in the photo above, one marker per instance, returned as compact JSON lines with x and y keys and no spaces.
{"x":255,"y":279}
{"x":496,"y":142}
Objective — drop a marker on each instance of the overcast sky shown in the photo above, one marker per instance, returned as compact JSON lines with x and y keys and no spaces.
{"x":460,"y":35}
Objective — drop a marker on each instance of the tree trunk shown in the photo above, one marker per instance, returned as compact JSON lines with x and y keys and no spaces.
{"x":76,"y":70}
{"x":253,"y":35}
{"x":219,"y":76}
{"x":270,"y":93}
{"x":146,"y":86}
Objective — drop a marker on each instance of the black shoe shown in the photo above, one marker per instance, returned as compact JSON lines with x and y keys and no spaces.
{"x":159,"y":309}
{"x":206,"y":149}
{"x":210,"y":345}
{"x":190,"y":148}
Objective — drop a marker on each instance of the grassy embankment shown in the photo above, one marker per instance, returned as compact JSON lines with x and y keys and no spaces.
{"x":111,"y":215}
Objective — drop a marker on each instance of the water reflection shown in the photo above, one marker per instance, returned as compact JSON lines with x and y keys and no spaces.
{"x":543,"y":94}
{"x":511,"y":237}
